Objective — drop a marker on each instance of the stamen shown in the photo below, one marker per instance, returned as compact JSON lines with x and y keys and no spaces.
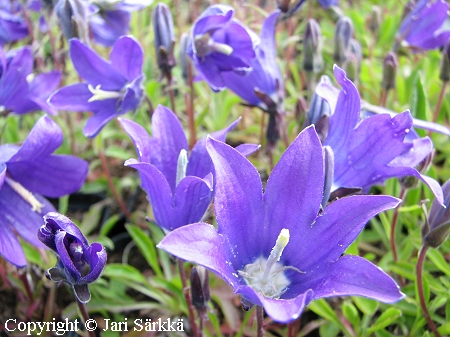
{"x":221,"y":48}
{"x":275,"y":254}
{"x":26,"y":195}
{"x":181,"y":165}
{"x":100,"y":95}
{"x":205,"y":45}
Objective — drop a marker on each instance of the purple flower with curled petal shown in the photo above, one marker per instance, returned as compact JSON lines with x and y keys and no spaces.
{"x":180,"y":188}
{"x":424,"y":27}
{"x":111,"y":88}
{"x":27,"y":173}
{"x":111,"y":19}
{"x":78,"y":262}
{"x":377,"y":148}
{"x":274,"y":247}
{"x":20,"y":91}
{"x":220,"y":43}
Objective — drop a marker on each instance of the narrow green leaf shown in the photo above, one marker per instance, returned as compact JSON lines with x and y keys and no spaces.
{"x":386,"y":318}
{"x":124,"y":272}
{"x":439,"y":261}
{"x":351,"y":313}
{"x":146,"y":247}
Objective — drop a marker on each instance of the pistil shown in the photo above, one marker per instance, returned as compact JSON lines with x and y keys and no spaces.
{"x":26,"y":195}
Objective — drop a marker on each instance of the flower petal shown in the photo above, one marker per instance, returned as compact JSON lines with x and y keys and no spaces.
{"x":355,"y":276}
{"x":332,"y":232}
{"x":96,"y":258}
{"x":346,"y":114}
{"x":169,"y":139}
{"x":141,"y":140}
{"x":127,"y":57}
{"x":286,"y":310}
{"x":241,"y":216}
{"x":158,"y":190}
{"x":10,"y":247}
{"x":94,"y":69}
{"x":96,"y":122}
{"x":200,"y":243}
{"x":294,"y":190}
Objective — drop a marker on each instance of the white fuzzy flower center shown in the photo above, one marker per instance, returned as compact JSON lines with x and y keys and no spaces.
{"x":267,"y":276}
{"x":100,"y":95}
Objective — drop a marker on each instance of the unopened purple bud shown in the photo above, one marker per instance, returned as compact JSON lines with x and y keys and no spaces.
{"x":436,"y":231}
{"x":390,"y":65}
{"x":184,"y":58}
{"x":73,"y":19}
{"x":353,"y":68}
{"x":342,"y":37}
{"x":444,"y":74}
{"x":312,"y":47}
{"x":164,"y":37}
{"x":410,"y":181}
{"x":318,"y":107}
{"x":200,"y":288}
{"x":283,"y":5}
{"x":375,"y":20}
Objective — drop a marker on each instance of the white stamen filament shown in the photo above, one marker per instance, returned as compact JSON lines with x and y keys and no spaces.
{"x":181,"y":165}
{"x":26,"y":195}
{"x":100,"y":95}
{"x":275,"y":254}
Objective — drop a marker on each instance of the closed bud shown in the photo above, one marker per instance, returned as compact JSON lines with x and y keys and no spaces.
{"x":353,"y":68}
{"x":164,"y":38}
{"x":437,"y":229}
{"x":390,"y":65}
{"x":375,"y":20}
{"x":283,"y":5}
{"x":342,"y":36}
{"x":312,"y":47}
{"x":200,"y":288}
{"x":318,"y":107}
{"x":73,"y":19}
{"x":444,"y":74}
{"x":184,"y":59}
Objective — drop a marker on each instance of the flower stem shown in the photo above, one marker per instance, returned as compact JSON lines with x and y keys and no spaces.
{"x":190,"y":108}
{"x":171,"y":91}
{"x":85,"y":316}
{"x":187,"y":297}
{"x":419,"y":269}
{"x":394,"y":225}
{"x":26,"y":283}
{"x":439,"y":104}
{"x":260,"y":320}
{"x":116,"y":195}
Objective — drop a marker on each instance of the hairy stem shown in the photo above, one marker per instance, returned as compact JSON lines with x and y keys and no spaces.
{"x":85,"y":316}
{"x":260,"y":320}
{"x":187,"y":297}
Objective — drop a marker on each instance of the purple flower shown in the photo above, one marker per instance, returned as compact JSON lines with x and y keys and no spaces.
{"x":424,"y":26}
{"x":78,"y":262}
{"x":377,"y":148}
{"x":111,"y":88}
{"x":180,"y":189}
{"x":328,"y":3}
{"x":12,"y":25}
{"x":220,"y":43}
{"x":274,"y":247}
{"x":27,"y":173}
{"x":261,"y":86}
{"x":112,"y":19}
{"x":19,"y":95}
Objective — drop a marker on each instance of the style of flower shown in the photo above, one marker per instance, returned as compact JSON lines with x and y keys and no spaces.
{"x":370,"y":151}
{"x":20,"y":91}
{"x":180,"y":189}
{"x":78,"y":262}
{"x":111,"y":88}
{"x":274,"y":247}
{"x":27,"y":173}
{"x":424,"y":26}
{"x":111,"y":19}
{"x":220,"y":43}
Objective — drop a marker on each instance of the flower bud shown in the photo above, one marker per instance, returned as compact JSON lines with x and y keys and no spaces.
{"x":73,"y":19}
{"x":164,"y":37}
{"x":354,"y":65}
{"x":437,"y":228}
{"x":411,"y":181}
{"x":200,"y":288}
{"x":312,"y":47}
{"x":184,"y":59}
{"x":390,"y":65}
{"x":375,"y":20}
{"x":342,"y":37}
{"x":318,"y":107}
{"x":444,"y":74}
{"x":283,"y":5}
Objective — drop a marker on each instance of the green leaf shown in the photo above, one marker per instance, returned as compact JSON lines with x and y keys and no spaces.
{"x":146,"y":247}
{"x":109,"y":224}
{"x":117,"y":152}
{"x":323,"y":309}
{"x":439,"y":261}
{"x":124,"y":272}
{"x":351,"y":313}
{"x":418,"y":104}
{"x":366,"y":305}
{"x":388,"y":317}
{"x":92,"y":218}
